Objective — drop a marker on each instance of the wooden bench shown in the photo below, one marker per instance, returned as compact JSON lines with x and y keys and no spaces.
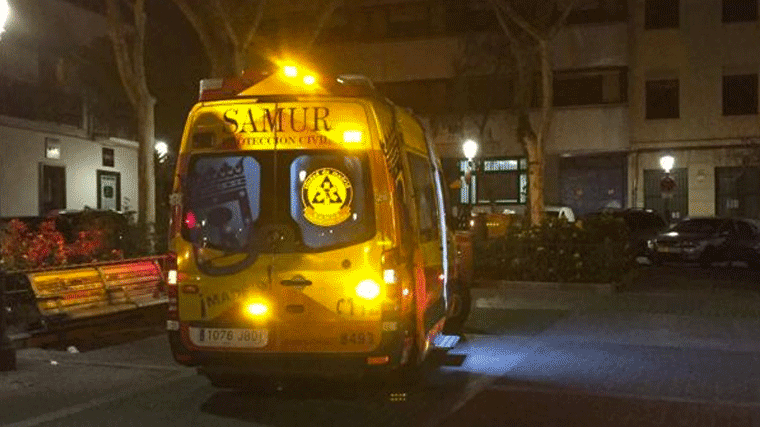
{"x":97,"y":289}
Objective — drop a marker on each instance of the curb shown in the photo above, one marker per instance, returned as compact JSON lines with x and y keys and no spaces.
{"x":597,"y":288}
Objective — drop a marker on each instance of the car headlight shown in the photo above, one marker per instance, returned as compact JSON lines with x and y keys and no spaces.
{"x":651,"y":244}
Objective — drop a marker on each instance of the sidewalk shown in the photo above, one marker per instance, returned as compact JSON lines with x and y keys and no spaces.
{"x":48,"y":382}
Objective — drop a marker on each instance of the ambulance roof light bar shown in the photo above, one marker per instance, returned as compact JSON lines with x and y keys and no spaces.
{"x":225,"y":88}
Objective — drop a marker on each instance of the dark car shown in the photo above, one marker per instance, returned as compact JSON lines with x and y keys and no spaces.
{"x":707,"y":240}
{"x":642,"y":225}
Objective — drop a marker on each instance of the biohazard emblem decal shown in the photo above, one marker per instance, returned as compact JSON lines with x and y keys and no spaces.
{"x":326,"y":195}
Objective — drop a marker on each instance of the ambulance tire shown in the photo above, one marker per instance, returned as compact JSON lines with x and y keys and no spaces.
{"x":410,"y":372}
{"x":461,"y":295}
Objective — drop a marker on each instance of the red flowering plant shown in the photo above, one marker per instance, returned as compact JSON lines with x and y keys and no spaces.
{"x":91,"y":246}
{"x":23,"y":248}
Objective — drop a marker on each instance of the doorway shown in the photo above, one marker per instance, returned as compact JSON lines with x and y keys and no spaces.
{"x":109,"y":190}
{"x":52,"y":188}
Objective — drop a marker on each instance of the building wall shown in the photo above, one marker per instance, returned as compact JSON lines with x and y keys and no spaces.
{"x":22,"y":150}
{"x":698,"y":53}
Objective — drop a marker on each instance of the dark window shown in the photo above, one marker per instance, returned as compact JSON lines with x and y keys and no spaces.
{"x":108,"y":157}
{"x":233,"y":201}
{"x":598,"y":11}
{"x":424,"y":196}
{"x":739,"y":10}
{"x":495,"y":181}
{"x":578,"y":90}
{"x":662,"y":99}
{"x":740,"y":95}
{"x":702,"y":225}
{"x":661,"y":14}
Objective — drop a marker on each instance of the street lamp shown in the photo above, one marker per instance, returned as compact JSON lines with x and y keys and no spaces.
{"x":667,"y":184}
{"x":7,"y":350}
{"x":4,"y":12}
{"x":162,"y":149}
{"x":470,"y":150}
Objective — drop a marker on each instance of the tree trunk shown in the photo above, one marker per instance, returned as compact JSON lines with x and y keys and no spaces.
{"x":146,"y":216}
{"x":535,"y":143}
{"x":535,"y":177}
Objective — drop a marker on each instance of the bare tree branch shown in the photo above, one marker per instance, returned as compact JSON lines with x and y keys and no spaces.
{"x":204,"y":33}
{"x":138,"y":62}
{"x":507,"y":9}
{"x":561,"y":21}
{"x":547,"y":89}
{"x":221,"y":12}
{"x":121,"y":51}
{"x":323,"y":19}
{"x":254,"y":25}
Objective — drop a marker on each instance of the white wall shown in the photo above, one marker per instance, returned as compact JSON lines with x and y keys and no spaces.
{"x":22,"y":150}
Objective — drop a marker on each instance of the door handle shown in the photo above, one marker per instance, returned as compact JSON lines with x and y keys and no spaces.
{"x":296,"y":281}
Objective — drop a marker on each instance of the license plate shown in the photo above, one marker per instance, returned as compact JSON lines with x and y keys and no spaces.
{"x":668,"y":249}
{"x":229,"y":337}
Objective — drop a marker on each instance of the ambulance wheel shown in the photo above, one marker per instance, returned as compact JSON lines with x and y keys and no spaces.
{"x":408,"y":373}
{"x":462,"y":300}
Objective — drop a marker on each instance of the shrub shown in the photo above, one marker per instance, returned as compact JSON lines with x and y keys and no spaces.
{"x":556,"y":251}
{"x":25,"y":248}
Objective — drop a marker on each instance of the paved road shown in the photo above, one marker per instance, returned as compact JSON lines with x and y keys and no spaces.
{"x":637,"y":358}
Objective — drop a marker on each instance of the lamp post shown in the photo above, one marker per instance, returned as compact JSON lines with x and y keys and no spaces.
{"x":7,"y":351}
{"x":667,"y":184}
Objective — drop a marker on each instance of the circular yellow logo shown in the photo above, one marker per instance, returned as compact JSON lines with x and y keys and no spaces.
{"x":326,"y":194}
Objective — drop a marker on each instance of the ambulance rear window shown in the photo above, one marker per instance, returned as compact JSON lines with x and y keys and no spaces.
{"x":285,"y":201}
{"x":330,"y":198}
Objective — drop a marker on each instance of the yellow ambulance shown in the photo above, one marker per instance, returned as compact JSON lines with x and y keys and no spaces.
{"x":309,"y":232}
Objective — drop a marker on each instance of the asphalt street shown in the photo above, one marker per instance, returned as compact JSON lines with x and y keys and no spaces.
{"x":645,"y":357}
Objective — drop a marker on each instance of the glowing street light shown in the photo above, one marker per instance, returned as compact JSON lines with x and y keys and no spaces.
{"x":5,"y":10}
{"x":667,"y":184}
{"x":162,"y":149}
{"x":470,"y":150}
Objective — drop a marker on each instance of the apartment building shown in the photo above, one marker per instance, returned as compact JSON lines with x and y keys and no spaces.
{"x":417,"y":53}
{"x":61,"y":145}
{"x":694,"y":95}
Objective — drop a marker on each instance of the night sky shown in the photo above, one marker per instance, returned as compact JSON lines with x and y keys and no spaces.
{"x":175,"y":62}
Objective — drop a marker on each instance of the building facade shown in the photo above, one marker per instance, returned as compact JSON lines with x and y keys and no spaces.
{"x":634,"y":81}
{"x":61,"y":146}
{"x":420,"y":55}
{"x":694,"y":96}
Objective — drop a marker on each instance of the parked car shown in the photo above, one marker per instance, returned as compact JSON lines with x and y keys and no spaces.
{"x":642,"y":224}
{"x":561,"y":212}
{"x":707,"y":240}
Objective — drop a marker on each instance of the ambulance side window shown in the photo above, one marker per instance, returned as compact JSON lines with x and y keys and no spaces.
{"x":403,"y":213}
{"x":424,"y":194}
